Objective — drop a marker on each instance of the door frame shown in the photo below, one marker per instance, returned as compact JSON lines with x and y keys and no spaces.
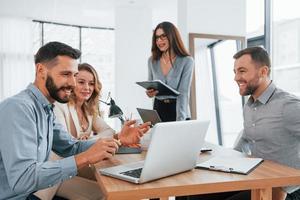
{"x":192,"y":38}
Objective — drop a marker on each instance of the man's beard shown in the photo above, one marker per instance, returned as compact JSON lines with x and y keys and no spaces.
{"x":54,"y":90}
{"x":251,"y":87}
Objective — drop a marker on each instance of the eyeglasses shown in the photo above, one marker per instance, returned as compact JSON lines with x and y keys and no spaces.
{"x":162,"y":37}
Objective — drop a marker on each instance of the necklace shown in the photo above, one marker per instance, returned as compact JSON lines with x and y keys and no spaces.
{"x":166,"y":62}
{"x":82,"y":121}
{"x":83,"y":128}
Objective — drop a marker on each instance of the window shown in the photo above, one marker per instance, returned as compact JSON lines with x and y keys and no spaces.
{"x":16,"y":57}
{"x":229,"y":99}
{"x":97,"y":47}
{"x":255,"y":23}
{"x":218,"y":99}
{"x":286,"y":48}
{"x":66,"y":34}
{"x":255,"y":18}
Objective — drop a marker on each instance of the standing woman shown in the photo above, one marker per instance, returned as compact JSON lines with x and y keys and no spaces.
{"x":172,"y":64}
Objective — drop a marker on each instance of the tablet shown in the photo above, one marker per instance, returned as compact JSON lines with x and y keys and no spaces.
{"x":149,"y":116}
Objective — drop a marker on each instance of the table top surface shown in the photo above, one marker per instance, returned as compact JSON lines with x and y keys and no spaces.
{"x":198,"y":181}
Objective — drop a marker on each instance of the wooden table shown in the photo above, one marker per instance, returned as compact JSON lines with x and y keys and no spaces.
{"x":260,"y":181}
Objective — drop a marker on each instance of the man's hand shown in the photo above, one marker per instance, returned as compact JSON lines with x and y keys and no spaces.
{"x":131,"y":134}
{"x":102,"y":149}
{"x":151,"y":92}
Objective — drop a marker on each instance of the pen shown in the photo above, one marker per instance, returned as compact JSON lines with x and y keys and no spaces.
{"x":203,"y":150}
{"x":129,"y":117}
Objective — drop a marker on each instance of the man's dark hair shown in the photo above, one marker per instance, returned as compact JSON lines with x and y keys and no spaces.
{"x":51,"y":50}
{"x":258,"y":55}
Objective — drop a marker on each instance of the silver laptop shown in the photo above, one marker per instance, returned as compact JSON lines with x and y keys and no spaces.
{"x":174,"y":148}
{"x":149,"y":115}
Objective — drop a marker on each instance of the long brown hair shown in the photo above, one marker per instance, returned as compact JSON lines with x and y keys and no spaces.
{"x":174,"y":38}
{"x":91,"y":106}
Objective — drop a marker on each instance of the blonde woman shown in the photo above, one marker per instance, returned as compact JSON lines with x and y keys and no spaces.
{"x":81,"y":118}
{"x":81,"y":115}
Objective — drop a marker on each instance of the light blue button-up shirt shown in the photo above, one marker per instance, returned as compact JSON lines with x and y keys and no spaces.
{"x":28,"y":132}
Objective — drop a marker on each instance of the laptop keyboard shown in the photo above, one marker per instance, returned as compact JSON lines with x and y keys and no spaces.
{"x":136,"y":173}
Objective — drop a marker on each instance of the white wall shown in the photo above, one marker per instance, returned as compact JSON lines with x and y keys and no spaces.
{"x":133,"y":43}
{"x":211,"y":17}
{"x":164,"y":10}
{"x":182,"y":21}
{"x":134,"y":21}
{"x":217,"y":17}
{"x":78,"y":12}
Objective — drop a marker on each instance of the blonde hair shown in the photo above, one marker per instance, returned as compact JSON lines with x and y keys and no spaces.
{"x":91,"y":106}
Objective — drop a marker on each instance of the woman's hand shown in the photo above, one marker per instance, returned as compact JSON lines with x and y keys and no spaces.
{"x":151,"y":93}
{"x":131,"y":134}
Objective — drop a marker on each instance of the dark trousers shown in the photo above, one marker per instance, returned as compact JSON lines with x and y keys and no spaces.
{"x":239,"y":195}
{"x":32,"y":197}
{"x":293,"y":196}
{"x":166,"y":109}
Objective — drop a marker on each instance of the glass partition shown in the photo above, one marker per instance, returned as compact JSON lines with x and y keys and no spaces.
{"x":214,"y":91}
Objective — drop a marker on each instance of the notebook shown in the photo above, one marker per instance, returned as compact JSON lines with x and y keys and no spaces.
{"x":163,"y":89}
{"x":149,"y":115}
{"x":239,"y":165}
{"x":174,"y":148}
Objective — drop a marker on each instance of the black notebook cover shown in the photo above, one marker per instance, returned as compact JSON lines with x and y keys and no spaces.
{"x":163,"y":89}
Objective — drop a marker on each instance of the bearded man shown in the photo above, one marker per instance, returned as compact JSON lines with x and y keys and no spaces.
{"x":29,"y":131}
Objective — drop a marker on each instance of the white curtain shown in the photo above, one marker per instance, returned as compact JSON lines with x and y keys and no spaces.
{"x":16,"y":55}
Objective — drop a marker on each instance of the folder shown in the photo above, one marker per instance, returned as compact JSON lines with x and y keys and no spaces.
{"x":238,"y":165}
{"x":161,"y":87}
